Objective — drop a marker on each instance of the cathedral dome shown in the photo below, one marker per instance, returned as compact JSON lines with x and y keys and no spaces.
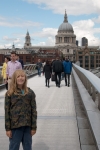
{"x":65,"y":26}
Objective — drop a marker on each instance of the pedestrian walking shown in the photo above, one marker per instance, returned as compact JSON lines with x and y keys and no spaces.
{"x":12,"y":66}
{"x":20,"y":60}
{"x":67,"y":71}
{"x":47,"y":70}
{"x":20,"y":112}
{"x":53,"y":60}
{"x":4,"y":68}
{"x":57,"y":69}
{"x":39,"y":67}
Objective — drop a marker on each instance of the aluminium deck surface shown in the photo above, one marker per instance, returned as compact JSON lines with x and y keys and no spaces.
{"x":56,"y":123}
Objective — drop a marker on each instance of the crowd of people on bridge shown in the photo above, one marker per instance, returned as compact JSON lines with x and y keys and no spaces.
{"x":57,"y":69}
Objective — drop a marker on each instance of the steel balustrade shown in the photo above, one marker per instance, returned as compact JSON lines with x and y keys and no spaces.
{"x":90,"y":81}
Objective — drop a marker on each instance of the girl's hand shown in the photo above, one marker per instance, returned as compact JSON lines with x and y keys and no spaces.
{"x":9,"y":134}
{"x":33,"y":132}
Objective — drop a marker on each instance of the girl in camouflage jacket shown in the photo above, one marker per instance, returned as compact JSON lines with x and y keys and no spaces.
{"x":20,"y":112}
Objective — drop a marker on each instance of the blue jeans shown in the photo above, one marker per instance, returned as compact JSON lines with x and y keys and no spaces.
{"x":67,"y":78}
{"x":22,"y":134}
{"x":39,"y":72}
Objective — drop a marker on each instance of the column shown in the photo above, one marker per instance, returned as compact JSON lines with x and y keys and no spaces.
{"x":62,"y":39}
{"x":89,"y":62}
{"x":84,"y":61}
{"x":94,"y":60}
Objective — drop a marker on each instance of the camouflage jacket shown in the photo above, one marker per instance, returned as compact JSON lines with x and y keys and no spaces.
{"x":20,"y":110}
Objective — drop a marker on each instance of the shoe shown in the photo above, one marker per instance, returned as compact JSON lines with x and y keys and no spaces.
{"x":68,"y":84}
{"x":45,"y":85}
{"x":48,"y":86}
{"x":65,"y":84}
{"x":59,"y":86}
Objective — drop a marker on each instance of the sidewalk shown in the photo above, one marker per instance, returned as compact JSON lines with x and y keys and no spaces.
{"x":56,"y":124}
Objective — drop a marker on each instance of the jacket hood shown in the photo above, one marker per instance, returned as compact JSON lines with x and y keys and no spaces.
{"x":67,"y":60}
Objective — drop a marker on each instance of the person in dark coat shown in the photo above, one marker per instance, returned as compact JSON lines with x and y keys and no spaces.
{"x":53,"y":60}
{"x":20,"y":60}
{"x":57,"y":70}
{"x":47,"y":70}
{"x":67,"y":70}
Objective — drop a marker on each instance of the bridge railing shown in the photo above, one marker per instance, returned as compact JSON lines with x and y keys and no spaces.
{"x":30,"y":70}
{"x":90,"y":81}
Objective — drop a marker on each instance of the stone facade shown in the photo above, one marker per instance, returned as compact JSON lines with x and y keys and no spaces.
{"x":89,"y":57}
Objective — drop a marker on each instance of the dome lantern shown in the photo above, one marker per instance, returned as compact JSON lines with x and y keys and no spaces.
{"x":65,"y":17}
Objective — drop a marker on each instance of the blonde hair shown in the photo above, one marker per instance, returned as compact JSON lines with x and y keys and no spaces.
{"x":14,"y":86}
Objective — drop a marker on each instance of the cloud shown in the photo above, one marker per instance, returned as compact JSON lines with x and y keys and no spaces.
{"x":40,"y":44}
{"x":17,"y":22}
{"x":2,"y":18}
{"x":46,"y":32}
{"x":8,"y":45}
{"x":1,"y":46}
{"x":73,"y":7}
{"x":6,"y":38}
{"x":96,"y":20}
{"x":13,"y":40}
{"x":49,"y":42}
{"x":85,"y":28}
{"x":46,"y":35}
{"x":18,"y":42}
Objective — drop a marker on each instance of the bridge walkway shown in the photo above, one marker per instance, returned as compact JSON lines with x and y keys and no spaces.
{"x":57,"y":126}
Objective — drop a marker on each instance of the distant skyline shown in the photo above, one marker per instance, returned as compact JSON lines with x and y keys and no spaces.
{"x":42,"y":19}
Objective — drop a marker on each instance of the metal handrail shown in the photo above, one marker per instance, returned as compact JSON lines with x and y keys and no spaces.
{"x":90,"y":81}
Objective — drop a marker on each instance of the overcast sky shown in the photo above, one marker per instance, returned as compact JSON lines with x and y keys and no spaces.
{"x":42,"y":19}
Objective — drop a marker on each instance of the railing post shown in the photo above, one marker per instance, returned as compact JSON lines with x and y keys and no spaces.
{"x":87,"y":83}
{"x":93,"y":94}
{"x":89,"y":88}
{"x":99,"y":101}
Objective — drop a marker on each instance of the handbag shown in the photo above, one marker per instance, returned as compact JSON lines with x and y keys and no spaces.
{"x":36,"y":67}
{"x":53,"y":77}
